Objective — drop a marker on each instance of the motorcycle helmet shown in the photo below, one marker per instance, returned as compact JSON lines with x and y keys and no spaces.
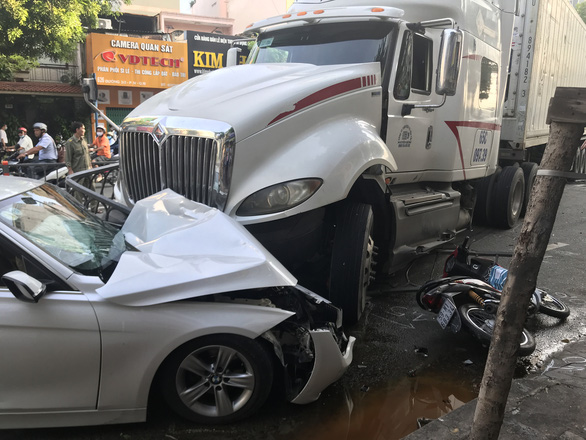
{"x":22,"y":129}
{"x":40,"y":126}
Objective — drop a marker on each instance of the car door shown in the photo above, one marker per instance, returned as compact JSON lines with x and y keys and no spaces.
{"x":51,"y":349}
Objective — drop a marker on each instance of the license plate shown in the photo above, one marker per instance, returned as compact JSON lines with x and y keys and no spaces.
{"x":446,"y":313}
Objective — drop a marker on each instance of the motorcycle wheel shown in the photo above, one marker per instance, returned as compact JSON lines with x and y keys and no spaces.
{"x":552,"y":306}
{"x":481,"y":324}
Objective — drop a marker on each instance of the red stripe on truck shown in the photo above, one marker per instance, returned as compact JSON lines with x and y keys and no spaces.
{"x":322,"y":95}
{"x":454,"y":127}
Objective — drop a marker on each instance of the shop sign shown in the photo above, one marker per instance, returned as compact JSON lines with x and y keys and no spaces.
{"x":136,"y":62}
{"x":207,"y":52}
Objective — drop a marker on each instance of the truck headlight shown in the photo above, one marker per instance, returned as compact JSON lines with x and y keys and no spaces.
{"x":279,"y":197}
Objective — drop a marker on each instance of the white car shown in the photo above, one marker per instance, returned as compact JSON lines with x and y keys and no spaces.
{"x":181,"y":300}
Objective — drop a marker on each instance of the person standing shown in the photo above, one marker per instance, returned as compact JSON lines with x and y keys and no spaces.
{"x":101,"y":145}
{"x":77,"y":155}
{"x":77,"y":158}
{"x":45,"y":147}
{"x":3,"y":137}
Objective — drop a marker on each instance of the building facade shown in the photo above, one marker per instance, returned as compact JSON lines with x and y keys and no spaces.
{"x":133,"y":56}
{"x":243,"y":12}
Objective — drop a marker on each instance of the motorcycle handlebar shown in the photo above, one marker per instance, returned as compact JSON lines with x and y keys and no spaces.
{"x":465,"y":243}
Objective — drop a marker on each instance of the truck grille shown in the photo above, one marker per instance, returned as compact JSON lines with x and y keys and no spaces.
{"x":186,"y":164}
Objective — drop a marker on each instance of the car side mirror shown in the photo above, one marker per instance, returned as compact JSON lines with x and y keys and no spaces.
{"x":449,"y":62}
{"x":23,"y":286}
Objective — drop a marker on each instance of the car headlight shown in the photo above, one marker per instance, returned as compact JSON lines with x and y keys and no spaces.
{"x":279,"y":197}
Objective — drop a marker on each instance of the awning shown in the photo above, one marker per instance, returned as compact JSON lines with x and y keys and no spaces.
{"x":39,"y":88}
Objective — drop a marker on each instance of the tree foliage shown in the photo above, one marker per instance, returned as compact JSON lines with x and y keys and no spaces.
{"x":581,"y":8}
{"x":31,"y":29}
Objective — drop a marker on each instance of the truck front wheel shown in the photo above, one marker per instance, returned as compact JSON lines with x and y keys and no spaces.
{"x":352,"y":259}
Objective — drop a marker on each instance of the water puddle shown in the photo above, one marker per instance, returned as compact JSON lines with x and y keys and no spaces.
{"x":390,"y":411}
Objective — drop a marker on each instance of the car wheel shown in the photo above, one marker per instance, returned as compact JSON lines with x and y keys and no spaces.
{"x":352,"y":259}
{"x":217,"y":379}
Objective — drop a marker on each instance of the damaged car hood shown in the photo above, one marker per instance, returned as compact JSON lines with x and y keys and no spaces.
{"x":184,"y":250}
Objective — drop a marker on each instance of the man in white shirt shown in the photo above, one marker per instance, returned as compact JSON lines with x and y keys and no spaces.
{"x":24,"y":143}
{"x":3,"y":137}
{"x":45,"y":147}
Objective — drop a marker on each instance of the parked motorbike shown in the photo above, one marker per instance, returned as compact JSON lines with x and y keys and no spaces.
{"x":55,"y":176}
{"x":461,"y":262}
{"x":462,"y":301}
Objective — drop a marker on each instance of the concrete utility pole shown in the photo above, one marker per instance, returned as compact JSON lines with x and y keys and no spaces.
{"x":567,"y":118}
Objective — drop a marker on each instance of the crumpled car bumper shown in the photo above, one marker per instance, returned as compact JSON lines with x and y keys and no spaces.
{"x":330,"y":364}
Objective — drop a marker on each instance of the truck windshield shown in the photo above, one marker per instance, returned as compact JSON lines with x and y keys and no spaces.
{"x":325,"y":44}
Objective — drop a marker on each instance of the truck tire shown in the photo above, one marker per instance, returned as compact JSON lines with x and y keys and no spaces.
{"x":352,"y":259}
{"x":581,"y":162}
{"x":579,"y":165}
{"x":483,"y":206}
{"x":529,"y":172}
{"x":508,"y":197}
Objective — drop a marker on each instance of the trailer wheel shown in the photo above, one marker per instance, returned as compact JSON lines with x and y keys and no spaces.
{"x":578,"y":164}
{"x":508,"y":197}
{"x":529,"y":172}
{"x":352,"y":259}
{"x":483,"y":206}
{"x":581,"y":162}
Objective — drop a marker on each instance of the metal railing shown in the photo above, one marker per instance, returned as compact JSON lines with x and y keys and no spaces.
{"x":90,"y":188}
{"x":26,"y":169}
{"x":94,"y":188}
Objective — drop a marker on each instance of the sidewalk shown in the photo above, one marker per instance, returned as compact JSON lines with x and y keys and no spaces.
{"x":550,"y":404}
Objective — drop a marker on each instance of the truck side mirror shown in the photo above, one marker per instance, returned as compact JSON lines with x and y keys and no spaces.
{"x":232,"y":56}
{"x":90,"y":88}
{"x":448,"y":64}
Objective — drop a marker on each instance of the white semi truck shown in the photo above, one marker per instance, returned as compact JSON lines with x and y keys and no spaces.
{"x":359,"y":133}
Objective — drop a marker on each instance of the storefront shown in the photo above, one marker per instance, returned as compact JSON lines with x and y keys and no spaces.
{"x":207,"y":52}
{"x":130,"y":70}
{"x":24,"y":103}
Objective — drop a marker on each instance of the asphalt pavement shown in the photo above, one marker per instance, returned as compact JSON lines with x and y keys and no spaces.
{"x":406,"y":368}
{"x":549,"y":404}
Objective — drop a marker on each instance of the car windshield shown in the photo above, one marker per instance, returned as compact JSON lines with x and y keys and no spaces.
{"x":55,"y":222}
{"x":324,"y":44}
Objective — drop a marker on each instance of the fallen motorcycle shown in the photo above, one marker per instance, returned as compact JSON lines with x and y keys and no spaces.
{"x":461,"y":300}
{"x":461,"y":262}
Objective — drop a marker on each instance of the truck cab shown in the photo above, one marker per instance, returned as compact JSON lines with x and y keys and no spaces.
{"x":355,"y":137}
